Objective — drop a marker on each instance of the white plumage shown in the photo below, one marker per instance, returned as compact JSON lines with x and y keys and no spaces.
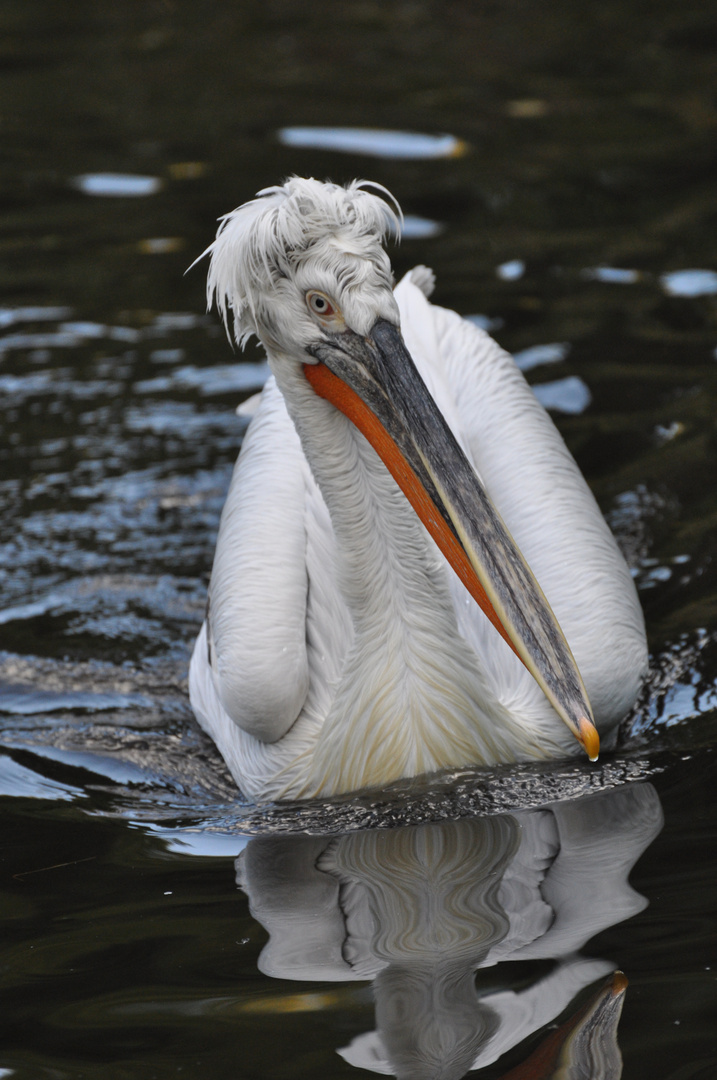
{"x":340,"y":649}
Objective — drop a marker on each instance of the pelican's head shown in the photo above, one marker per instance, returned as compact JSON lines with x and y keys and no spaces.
{"x":303,"y":261}
{"x":302,"y":266}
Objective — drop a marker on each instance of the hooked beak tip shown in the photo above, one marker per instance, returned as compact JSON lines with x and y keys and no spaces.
{"x":589,"y":738}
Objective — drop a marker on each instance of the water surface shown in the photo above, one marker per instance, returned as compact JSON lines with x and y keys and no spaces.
{"x":557,"y":172}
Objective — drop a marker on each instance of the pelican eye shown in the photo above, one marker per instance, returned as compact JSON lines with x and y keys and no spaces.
{"x":320,"y":305}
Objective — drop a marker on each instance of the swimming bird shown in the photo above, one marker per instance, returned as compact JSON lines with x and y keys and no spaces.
{"x":374,"y":609}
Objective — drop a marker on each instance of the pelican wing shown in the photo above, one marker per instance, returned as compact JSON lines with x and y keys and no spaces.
{"x":256,"y":624}
{"x":544,"y":500}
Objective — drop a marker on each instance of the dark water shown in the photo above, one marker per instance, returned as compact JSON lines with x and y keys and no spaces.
{"x":574,"y":209}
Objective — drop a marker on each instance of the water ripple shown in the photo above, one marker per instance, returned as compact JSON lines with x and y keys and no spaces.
{"x":117,"y":185}
{"x":374,"y":142}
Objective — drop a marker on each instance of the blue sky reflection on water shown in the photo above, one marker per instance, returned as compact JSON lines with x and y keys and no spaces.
{"x":395,"y":145}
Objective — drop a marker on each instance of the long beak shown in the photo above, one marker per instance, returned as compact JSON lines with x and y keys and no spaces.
{"x":374,"y":381}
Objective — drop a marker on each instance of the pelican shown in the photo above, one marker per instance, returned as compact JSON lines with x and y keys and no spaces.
{"x":374,"y":609}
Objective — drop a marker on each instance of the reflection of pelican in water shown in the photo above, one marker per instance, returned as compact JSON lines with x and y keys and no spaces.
{"x":424,"y":911}
{"x":339,"y":649}
{"x":585,"y":1046}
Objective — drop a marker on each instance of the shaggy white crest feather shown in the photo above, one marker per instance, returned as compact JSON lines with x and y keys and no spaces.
{"x":263,"y":242}
{"x":339,"y":649}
